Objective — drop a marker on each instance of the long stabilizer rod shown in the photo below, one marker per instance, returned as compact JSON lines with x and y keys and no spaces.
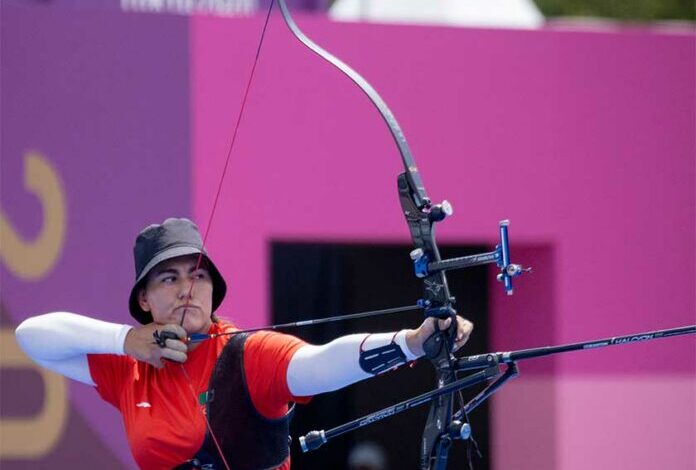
{"x":481,"y":361}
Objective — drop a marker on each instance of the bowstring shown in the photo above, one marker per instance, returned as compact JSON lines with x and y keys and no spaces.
{"x":207,"y":421}
{"x":211,"y":217}
{"x":229,"y":153}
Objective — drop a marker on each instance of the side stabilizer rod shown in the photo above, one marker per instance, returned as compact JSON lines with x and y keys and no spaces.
{"x":315,"y":439}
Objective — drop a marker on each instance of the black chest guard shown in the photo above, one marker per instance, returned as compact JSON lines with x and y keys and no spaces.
{"x":249,"y":441}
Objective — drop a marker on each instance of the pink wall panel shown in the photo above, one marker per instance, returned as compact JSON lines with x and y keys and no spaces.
{"x":626,"y":422}
{"x":584,"y":140}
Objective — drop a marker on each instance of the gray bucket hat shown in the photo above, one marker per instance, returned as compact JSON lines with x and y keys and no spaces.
{"x":160,"y":242}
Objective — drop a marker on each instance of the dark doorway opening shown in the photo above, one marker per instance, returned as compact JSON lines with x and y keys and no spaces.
{"x":314,"y":280}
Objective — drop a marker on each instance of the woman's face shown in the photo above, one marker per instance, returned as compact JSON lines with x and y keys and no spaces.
{"x":175,"y":289}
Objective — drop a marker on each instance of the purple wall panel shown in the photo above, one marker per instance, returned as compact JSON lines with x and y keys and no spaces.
{"x":584,"y":140}
{"x":104,"y":98}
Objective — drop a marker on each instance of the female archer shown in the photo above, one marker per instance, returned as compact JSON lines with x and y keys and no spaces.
{"x":222,"y":403}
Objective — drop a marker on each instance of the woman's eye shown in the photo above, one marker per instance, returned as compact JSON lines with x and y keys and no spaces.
{"x":168,"y":279}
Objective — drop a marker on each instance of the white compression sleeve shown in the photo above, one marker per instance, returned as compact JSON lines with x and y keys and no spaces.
{"x":319,"y":369}
{"x":60,"y":341}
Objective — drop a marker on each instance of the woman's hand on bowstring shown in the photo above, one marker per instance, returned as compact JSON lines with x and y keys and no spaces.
{"x":141,"y":344}
{"x":416,"y":338}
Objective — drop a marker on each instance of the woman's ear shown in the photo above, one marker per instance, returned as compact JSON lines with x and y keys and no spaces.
{"x":142,"y":301}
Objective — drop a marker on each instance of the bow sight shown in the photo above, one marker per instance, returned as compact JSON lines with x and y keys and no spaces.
{"x":500,"y":256}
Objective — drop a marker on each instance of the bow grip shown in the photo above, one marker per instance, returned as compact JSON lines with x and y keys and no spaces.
{"x":441,"y":342}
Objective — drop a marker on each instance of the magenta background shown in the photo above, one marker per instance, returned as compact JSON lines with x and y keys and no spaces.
{"x":585,"y":141}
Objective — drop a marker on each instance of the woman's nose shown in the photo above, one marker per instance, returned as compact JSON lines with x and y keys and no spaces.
{"x":186,"y":290}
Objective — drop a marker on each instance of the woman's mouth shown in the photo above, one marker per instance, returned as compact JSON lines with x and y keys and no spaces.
{"x":186,"y":308}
